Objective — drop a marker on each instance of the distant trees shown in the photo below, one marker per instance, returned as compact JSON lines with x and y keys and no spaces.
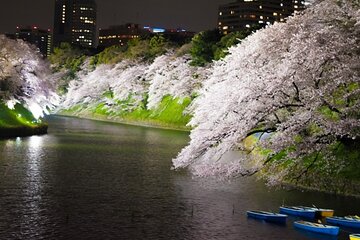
{"x":210,"y":45}
{"x":204,"y":46}
{"x":136,"y":49}
{"x":68,"y":57}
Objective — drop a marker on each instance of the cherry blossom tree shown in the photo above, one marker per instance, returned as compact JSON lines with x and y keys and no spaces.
{"x":170,"y":75}
{"x":293,"y":88}
{"x":25,"y":77}
{"x":131,"y":80}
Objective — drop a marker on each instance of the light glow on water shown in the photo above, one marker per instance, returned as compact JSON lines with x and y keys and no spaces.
{"x":32,"y":219}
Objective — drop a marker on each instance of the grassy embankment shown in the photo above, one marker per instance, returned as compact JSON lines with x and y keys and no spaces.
{"x":19,"y":122}
{"x":169,"y":113}
{"x":337,"y":172}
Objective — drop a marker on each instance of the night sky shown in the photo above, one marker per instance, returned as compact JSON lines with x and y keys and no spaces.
{"x":192,"y":15}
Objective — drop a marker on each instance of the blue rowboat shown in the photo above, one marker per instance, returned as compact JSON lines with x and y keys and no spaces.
{"x":354,"y":236}
{"x":267,"y":216}
{"x":298,"y":211}
{"x":344,"y":221}
{"x":317,"y":228}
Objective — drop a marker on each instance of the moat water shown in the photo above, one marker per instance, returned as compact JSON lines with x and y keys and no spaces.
{"x":95,"y":180}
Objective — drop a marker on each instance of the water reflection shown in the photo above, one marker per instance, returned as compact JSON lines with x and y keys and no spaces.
{"x":32,"y":220}
{"x":95,"y":180}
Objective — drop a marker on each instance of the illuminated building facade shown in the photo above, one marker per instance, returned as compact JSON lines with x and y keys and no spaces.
{"x":119,"y":35}
{"x":75,"y":22}
{"x":42,"y":39}
{"x":243,"y":14}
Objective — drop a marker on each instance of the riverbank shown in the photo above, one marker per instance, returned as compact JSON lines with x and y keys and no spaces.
{"x":19,"y":122}
{"x":304,"y":188}
{"x":23,"y":131}
{"x":104,"y":118}
{"x":170,"y":113}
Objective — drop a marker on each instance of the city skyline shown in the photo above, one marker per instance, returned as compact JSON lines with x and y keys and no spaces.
{"x":190,"y":15}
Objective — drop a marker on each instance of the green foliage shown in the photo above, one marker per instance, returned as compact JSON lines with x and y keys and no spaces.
{"x":108,"y":56}
{"x":229,"y":40}
{"x":147,"y":49}
{"x":211,"y":45}
{"x":328,"y":113}
{"x":204,"y":46}
{"x":19,"y":122}
{"x":169,"y":113}
{"x":350,"y":154}
{"x":184,"y":49}
{"x":100,"y":109}
{"x":140,"y":49}
{"x":17,"y":117}
{"x":157,"y":46}
{"x":74,"y":110}
{"x":108,"y":94}
{"x":67,"y":57}
{"x":137,"y":49}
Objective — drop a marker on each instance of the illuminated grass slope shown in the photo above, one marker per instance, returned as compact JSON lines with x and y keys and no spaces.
{"x":170,"y":113}
{"x":19,"y":122}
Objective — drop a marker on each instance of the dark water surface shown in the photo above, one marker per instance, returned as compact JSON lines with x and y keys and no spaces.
{"x":97,"y":180}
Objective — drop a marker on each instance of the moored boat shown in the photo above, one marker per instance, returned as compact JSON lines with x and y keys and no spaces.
{"x":325,"y":212}
{"x":321,"y":212}
{"x":267,"y":216}
{"x":317,"y":228}
{"x":298,"y":211}
{"x":354,"y":236}
{"x":344,"y":221}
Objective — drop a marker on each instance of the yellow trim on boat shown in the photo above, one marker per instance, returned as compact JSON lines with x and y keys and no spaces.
{"x":327,"y":213}
{"x":354,"y":237}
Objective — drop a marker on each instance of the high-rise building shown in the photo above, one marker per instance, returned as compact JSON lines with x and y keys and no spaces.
{"x":244,"y":14}
{"x":75,"y":22}
{"x":42,"y":39}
